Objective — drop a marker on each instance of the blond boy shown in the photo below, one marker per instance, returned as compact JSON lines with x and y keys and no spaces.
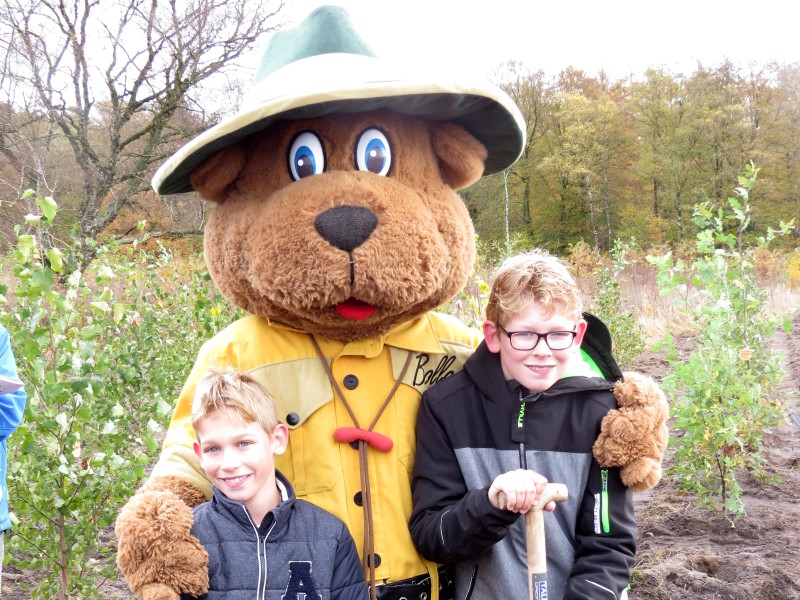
{"x":523,"y":411}
{"x":262,"y":542}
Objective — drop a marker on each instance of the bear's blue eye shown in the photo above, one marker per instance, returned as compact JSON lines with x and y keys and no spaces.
{"x":306,"y":156}
{"x":373,"y":153}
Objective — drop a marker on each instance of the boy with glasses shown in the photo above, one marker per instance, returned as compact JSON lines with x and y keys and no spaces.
{"x":524,"y":411}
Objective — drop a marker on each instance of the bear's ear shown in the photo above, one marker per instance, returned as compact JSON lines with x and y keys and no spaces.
{"x":213,"y":178}
{"x":461,"y":156}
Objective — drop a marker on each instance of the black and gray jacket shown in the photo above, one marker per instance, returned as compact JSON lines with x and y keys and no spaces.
{"x":298,"y":552}
{"x":475,"y":425}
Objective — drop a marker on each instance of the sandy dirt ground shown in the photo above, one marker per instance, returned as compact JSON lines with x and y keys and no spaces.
{"x":684,"y":552}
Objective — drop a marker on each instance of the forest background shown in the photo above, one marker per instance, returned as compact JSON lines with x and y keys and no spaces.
{"x":637,"y":182}
{"x":89,"y":111}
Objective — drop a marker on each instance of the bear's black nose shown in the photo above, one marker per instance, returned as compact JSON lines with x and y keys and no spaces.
{"x":346,"y":227}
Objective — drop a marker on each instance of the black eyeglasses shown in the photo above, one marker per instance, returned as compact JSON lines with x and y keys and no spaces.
{"x":527,"y":340}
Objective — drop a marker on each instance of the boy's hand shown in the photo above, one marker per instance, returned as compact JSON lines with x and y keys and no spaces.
{"x":521,"y":488}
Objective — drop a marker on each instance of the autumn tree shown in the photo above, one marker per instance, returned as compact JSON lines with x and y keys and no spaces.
{"x":588,"y":140}
{"x":526,"y":88}
{"x":633,"y":157}
{"x":721,"y":97}
{"x":502,"y":205}
{"x":124,"y":83}
{"x":651,"y":106}
{"x":669,"y":139}
{"x":771,"y":99}
{"x":782,"y":142}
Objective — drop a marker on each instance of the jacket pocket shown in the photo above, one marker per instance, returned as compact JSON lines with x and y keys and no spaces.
{"x":312,"y":460}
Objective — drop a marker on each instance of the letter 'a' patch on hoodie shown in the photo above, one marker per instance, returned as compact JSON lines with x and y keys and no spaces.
{"x":301,"y":584}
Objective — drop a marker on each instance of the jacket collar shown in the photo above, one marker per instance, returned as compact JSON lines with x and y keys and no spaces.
{"x":418,"y":335}
{"x":237,"y":511}
{"x":484,"y":369}
{"x":570,"y":384}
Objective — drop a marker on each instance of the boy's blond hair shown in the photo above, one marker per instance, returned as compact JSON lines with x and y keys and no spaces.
{"x":534,"y":276}
{"x":238,"y":395}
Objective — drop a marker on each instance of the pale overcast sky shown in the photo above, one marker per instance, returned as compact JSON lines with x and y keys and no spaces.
{"x":622,"y":37}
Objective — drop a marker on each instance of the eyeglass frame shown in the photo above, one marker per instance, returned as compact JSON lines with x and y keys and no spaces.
{"x":539,"y":337}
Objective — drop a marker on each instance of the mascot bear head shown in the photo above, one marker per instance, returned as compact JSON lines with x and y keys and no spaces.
{"x":335,"y":186}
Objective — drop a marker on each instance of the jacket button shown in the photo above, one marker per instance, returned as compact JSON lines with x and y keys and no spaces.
{"x":350,"y":382}
{"x":292,"y":418}
{"x":374,"y":560}
{"x":354,"y":444}
{"x":357,"y":499}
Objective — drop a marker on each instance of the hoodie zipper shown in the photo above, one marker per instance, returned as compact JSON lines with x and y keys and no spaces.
{"x":604,"y":508}
{"x":520,"y":425}
{"x":523,"y":459}
{"x":523,"y":463}
{"x":261,"y":586}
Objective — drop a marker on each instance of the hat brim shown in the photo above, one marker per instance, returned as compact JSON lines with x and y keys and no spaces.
{"x":349,"y":83}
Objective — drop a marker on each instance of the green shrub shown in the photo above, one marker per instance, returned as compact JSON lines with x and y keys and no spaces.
{"x":725,"y":389}
{"x":102,"y":355}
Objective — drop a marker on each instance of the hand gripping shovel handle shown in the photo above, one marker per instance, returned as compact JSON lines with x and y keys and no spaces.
{"x":534,"y":538}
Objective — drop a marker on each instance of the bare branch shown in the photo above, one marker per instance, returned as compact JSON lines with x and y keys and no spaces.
{"x":120,"y":84}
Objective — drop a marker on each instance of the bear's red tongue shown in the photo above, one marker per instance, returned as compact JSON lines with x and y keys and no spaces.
{"x":355,"y":310}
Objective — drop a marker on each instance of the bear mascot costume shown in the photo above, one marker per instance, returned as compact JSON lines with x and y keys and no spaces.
{"x":338,"y":228}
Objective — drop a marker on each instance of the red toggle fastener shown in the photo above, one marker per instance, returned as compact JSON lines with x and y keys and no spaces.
{"x":351,"y":434}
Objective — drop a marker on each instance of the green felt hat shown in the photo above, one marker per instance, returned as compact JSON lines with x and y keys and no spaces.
{"x":324,"y":67}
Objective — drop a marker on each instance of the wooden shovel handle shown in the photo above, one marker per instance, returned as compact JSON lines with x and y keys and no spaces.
{"x":556,"y":492}
{"x":534,"y":535}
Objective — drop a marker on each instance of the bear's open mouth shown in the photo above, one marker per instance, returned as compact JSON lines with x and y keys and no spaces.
{"x":355,"y":310}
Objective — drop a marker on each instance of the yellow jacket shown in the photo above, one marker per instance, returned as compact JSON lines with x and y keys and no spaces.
{"x":322,"y":470}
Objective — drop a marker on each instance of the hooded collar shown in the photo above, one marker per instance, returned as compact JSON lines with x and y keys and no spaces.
{"x":483,"y":367}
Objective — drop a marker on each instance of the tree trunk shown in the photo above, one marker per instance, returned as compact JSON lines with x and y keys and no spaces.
{"x":610,"y":239}
{"x":592,"y":217}
{"x":527,"y":216}
{"x":655,"y":197}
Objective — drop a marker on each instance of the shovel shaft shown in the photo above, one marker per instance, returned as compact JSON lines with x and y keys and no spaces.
{"x":534,"y":539}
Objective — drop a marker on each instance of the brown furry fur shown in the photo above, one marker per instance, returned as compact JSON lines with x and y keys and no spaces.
{"x":635,"y":436}
{"x":190,"y":495}
{"x":160,"y":522}
{"x":265,"y":255}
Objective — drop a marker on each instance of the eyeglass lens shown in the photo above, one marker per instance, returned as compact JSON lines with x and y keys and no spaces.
{"x":527,"y":340}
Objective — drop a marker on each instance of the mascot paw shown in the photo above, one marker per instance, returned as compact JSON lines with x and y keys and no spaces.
{"x":634,"y":436}
{"x":641,"y":475}
{"x":159,"y":591}
{"x":157,"y":554}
